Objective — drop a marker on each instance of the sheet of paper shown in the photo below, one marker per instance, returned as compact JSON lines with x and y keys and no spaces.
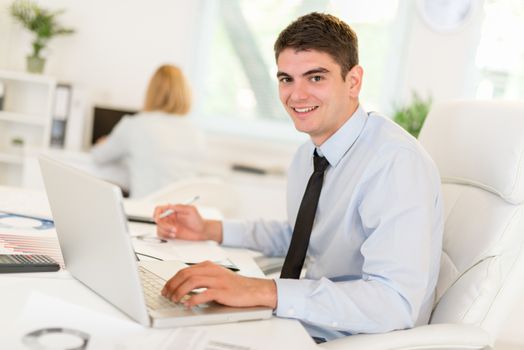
{"x":141,"y":229}
{"x":186,"y":251}
{"x":19,"y":224}
{"x":180,"y":338}
{"x":22,"y":234}
{"x":15,"y":200}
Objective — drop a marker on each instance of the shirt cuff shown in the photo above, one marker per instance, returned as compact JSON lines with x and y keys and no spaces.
{"x":233,"y":233}
{"x":291,"y":302}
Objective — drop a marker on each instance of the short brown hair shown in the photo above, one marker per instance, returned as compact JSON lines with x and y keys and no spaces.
{"x":168,"y":91}
{"x":321,"y":32}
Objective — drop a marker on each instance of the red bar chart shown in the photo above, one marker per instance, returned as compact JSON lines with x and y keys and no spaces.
{"x":24,"y":244}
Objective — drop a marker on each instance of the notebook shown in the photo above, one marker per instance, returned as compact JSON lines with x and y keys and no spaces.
{"x":96,"y":245}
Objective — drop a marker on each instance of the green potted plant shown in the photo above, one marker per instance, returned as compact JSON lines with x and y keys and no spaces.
{"x":411,"y":117}
{"x":17,"y":144}
{"x":44,"y":26}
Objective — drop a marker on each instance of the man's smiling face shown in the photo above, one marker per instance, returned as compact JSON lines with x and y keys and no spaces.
{"x":314,"y":94}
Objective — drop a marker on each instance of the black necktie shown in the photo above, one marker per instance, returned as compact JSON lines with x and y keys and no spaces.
{"x":306,"y":215}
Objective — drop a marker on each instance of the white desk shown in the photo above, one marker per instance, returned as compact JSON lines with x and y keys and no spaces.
{"x":17,"y":289}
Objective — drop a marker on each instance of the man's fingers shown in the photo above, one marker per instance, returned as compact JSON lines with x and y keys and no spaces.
{"x":184,"y":210}
{"x":201,"y":275}
{"x":159,"y":210}
{"x":174,"y":282}
{"x":156,"y":213}
{"x":179,"y":209}
{"x":166,"y":232}
{"x":193,"y":282}
{"x":201,"y":298}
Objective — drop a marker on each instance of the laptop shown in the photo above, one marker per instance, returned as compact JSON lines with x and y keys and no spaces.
{"x":93,"y":234}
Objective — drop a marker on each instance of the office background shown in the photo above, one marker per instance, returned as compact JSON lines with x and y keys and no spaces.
{"x":118,"y":44}
{"x":462,"y":49}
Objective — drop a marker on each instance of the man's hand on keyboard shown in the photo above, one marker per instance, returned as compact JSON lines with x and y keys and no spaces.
{"x":222,"y":286}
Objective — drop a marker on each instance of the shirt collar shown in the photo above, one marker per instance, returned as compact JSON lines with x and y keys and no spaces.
{"x":341,"y":141}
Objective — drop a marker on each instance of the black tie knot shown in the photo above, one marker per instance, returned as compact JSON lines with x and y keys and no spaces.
{"x":320,"y":163}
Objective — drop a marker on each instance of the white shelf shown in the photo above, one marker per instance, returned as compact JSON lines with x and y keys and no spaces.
{"x":23,"y":118}
{"x":11,"y":158}
{"x":26,"y":77}
{"x":27,"y":115}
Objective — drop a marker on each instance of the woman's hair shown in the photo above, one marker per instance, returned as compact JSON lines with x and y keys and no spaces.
{"x":168,"y":91}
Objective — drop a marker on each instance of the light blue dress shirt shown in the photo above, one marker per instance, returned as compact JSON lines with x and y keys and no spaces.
{"x":374,"y":252}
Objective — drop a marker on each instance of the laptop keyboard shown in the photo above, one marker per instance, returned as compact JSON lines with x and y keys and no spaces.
{"x":152,"y":285}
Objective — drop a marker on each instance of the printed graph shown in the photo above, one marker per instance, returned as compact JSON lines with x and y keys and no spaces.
{"x":23,"y":244}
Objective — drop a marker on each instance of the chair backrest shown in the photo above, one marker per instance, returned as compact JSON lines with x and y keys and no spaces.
{"x":478,"y":147}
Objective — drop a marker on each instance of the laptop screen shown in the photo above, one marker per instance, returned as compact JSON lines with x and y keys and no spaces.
{"x":105,"y":119}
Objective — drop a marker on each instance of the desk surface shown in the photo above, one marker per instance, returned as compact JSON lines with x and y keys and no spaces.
{"x":17,"y":290}
{"x":274,"y":333}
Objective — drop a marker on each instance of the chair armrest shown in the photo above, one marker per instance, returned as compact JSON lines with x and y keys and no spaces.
{"x":428,"y":337}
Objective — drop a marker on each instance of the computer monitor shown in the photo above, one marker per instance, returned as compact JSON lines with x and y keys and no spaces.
{"x":104,"y":120}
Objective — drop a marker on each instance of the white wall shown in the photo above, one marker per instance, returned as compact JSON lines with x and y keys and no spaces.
{"x":116,"y":47}
{"x":120,"y":42}
{"x":438,"y":64}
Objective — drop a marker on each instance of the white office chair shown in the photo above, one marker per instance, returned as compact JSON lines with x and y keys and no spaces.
{"x":478,"y":147}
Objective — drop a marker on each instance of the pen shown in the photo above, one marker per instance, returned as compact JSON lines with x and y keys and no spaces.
{"x":229,"y":267}
{"x":171,"y":211}
{"x":147,"y":238}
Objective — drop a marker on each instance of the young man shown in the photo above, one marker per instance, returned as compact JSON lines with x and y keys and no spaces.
{"x":374,"y":245}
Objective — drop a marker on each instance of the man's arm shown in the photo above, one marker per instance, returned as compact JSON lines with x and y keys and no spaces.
{"x":222,"y":285}
{"x":269,"y":237}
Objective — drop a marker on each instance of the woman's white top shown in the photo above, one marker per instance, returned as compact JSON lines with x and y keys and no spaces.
{"x":157,"y":149}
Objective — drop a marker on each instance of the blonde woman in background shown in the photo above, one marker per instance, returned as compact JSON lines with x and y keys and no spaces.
{"x":159,"y":145}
